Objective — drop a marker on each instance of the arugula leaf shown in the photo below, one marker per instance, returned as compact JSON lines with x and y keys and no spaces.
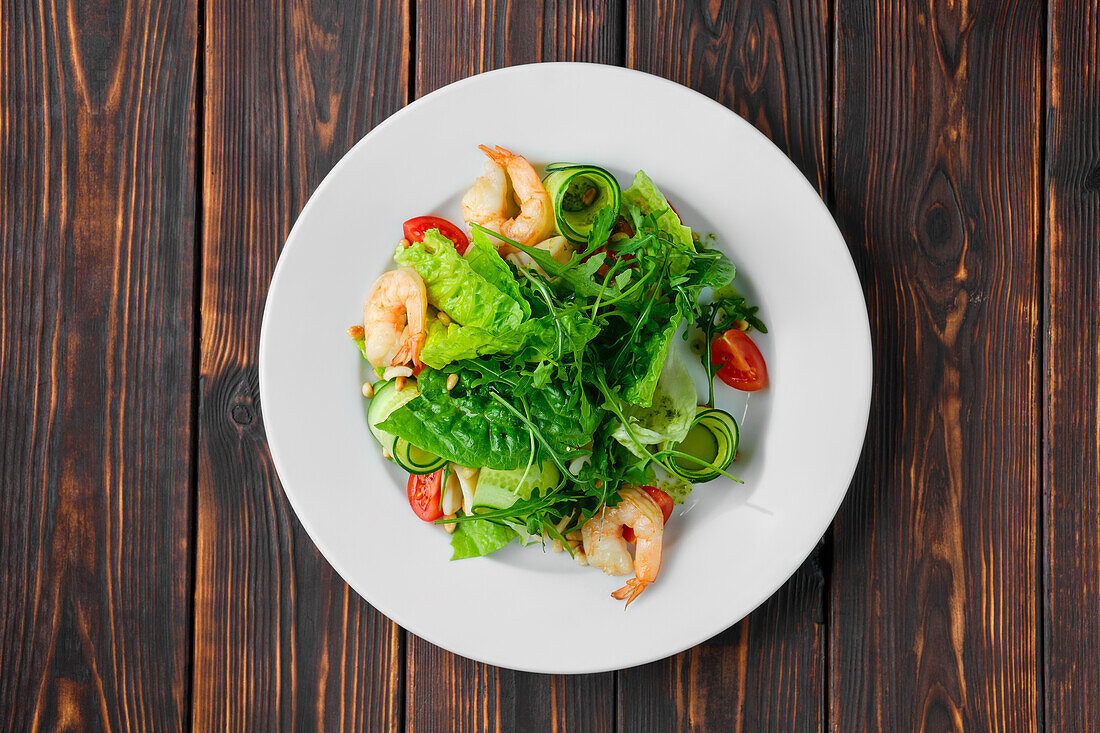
{"x":580,"y":276}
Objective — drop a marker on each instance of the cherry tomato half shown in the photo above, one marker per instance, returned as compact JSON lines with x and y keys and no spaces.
{"x":663,"y":501}
{"x":742,"y":363}
{"x":416,"y":227}
{"x":424,"y":495}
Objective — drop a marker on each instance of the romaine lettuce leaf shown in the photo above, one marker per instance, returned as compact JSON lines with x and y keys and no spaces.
{"x":534,"y":340}
{"x":640,"y":368}
{"x":671,"y":413}
{"x":477,"y":538}
{"x":644,"y":194}
{"x":435,"y":332}
{"x":483,"y":258}
{"x":456,"y":288}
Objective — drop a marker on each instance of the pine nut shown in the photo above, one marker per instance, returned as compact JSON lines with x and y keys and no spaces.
{"x":397,"y":371}
{"x":580,"y":558}
{"x":741,"y":325}
{"x":444,"y":318}
{"x":399,"y":383}
{"x":452,"y":381}
{"x":450,"y":526}
{"x":368,"y":390}
{"x":556,"y":546}
{"x":356,"y":332}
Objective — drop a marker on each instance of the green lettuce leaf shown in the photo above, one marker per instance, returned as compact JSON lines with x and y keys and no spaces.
{"x":536,"y":339}
{"x":671,"y":413}
{"x":578,"y":276}
{"x":477,"y":538}
{"x":636,"y":372}
{"x":483,"y":258}
{"x":645,"y":195}
{"x":456,"y":288}
{"x":472,"y":427}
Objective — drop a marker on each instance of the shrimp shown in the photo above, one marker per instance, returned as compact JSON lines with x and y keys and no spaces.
{"x":606,"y":549}
{"x":393,"y":318}
{"x":486,"y":201}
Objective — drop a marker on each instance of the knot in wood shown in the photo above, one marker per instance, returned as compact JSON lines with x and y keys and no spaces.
{"x":1092,"y":180}
{"x":242,"y":414}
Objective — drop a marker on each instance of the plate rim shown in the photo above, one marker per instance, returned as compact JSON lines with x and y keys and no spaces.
{"x":862,"y":409}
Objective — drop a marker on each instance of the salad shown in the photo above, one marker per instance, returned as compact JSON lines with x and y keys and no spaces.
{"x":528,"y":379}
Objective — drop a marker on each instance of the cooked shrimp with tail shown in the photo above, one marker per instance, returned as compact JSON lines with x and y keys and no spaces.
{"x":393,"y":318}
{"x":486,"y":203}
{"x":606,"y":549}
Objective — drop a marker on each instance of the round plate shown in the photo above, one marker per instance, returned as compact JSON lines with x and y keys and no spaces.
{"x":731,"y":545}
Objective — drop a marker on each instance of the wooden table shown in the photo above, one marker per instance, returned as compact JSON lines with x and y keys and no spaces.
{"x":153,"y":156}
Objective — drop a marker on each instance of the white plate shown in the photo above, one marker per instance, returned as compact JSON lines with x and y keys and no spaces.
{"x":730,"y":546}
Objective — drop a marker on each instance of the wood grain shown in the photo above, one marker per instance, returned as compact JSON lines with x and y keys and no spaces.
{"x":770,"y":63}
{"x":453,"y":40}
{"x":280,"y":642}
{"x":97,"y":205}
{"x":1071,"y":603}
{"x":459,"y":38}
{"x":938,"y":191}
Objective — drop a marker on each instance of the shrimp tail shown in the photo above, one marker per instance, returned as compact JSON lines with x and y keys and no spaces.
{"x":630,"y":591}
{"x":410,"y":350}
{"x":500,"y":155}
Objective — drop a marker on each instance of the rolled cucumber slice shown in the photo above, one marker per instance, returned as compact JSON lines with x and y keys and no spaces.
{"x":709,"y":447}
{"x":411,"y":458}
{"x":415,"y":460}
{"x":387,"y":399}
{"x":579,"y":193}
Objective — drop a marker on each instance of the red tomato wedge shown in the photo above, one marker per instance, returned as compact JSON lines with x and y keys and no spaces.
{"x":663,"y":501}
{"x":742,"y":363}
{"x":416,"y":227}
{"x":424,"y":493}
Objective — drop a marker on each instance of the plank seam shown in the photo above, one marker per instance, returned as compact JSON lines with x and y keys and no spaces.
{"x":827,"y":564}
{"x":199,"y":126}
{"x":624,"y":45}
{"x":1042,"y":550}
{"x":403,"y":713}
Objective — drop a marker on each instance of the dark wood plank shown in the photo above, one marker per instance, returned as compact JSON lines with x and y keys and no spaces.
{"x":453,"y":40}
{"x":770,"y":63}
{"x":459,"y":38}
{"x":281,"y":642}
{"x":938,"y":191}
{"x":97,"y":216}
{"x":1072,"y":511}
